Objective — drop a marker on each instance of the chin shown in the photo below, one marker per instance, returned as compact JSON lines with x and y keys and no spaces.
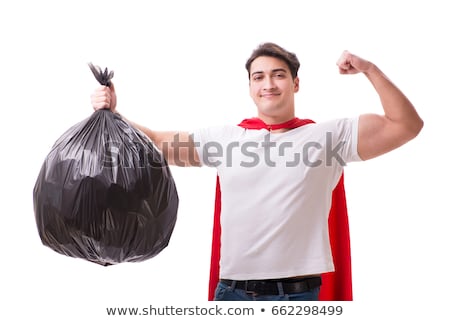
{"x":270,"y":111}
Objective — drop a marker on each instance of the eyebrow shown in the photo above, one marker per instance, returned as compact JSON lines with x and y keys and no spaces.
{"x":272,"y":71}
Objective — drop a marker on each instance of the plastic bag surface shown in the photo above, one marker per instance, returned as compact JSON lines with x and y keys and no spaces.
{"x":105,"y":193}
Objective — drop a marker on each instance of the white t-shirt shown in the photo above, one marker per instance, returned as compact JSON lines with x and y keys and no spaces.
{"x":276,"y":195}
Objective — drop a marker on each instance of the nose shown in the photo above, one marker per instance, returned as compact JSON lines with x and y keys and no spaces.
{"x":269,"y":83}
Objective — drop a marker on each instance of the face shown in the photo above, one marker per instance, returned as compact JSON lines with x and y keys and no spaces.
{"x":272,"y":87}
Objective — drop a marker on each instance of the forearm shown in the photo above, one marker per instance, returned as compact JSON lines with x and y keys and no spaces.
{"x":177,"y":147}
{"x":397,"y":107}
{"x":154,"y":137}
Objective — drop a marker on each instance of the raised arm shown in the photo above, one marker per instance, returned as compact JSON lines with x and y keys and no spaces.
{"x":379,"y":134}
{"x":177,"y":146}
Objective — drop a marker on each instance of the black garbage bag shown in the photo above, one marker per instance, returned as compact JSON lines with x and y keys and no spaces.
{"x":105,"y":192}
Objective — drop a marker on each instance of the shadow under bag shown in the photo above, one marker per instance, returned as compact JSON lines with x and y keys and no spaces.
{"x":105,"y":193}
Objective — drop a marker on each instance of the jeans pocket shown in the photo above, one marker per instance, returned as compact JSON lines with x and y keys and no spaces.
{"x":220,"y":292}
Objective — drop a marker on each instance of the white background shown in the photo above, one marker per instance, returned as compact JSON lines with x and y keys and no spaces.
{"x":180,"y":65}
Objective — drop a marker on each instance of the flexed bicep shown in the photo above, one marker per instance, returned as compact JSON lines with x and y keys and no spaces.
{"x":378,"y":135}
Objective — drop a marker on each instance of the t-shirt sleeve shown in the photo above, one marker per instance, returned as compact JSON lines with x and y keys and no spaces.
{"x":345,"y":140}
{"x":341,"y":143}
{"x":210,"y":143}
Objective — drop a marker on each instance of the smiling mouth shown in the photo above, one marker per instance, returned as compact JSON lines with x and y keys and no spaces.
{"x":269,"y":95}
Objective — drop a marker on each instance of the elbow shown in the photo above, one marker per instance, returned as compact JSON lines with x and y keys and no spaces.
{"x":418,"y":126}
{"x":415,"y":128}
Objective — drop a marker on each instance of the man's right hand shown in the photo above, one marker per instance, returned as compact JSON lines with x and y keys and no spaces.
{"x":104,"y":98}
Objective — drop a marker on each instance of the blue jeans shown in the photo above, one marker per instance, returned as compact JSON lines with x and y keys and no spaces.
{"x":226,"y":292}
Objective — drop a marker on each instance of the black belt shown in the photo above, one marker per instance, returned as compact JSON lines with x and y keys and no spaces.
{"x":271,"y":287}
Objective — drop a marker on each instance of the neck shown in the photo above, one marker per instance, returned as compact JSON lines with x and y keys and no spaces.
{"x":273,"y":120}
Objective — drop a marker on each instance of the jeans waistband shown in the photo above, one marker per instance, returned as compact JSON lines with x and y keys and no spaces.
{"x":275,"y":286}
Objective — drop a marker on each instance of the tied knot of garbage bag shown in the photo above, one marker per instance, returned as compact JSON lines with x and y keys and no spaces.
{"x":105,"y":193}
{"x":103,"y":77}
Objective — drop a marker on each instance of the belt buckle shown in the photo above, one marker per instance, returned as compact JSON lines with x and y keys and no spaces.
{"x":251,"y":293}
{"x":252,"y":288}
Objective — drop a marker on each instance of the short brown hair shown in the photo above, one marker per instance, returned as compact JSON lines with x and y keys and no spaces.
{"x":270,"y":49}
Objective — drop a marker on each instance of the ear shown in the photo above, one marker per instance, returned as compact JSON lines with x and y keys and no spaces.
{"x":296,"y":84}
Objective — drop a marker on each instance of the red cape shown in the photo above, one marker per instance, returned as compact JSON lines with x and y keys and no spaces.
{"x":337,"y":285}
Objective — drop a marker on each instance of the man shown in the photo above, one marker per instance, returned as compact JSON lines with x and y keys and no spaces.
{"x":277,"y":174}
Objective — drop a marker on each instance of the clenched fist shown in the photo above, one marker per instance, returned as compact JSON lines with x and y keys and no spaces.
{"x":104,"y":98}
{"x":351,"y":64}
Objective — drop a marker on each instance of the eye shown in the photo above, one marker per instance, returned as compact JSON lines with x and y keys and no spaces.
{"x":280,"y":75}
{"x":257,"y":77}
